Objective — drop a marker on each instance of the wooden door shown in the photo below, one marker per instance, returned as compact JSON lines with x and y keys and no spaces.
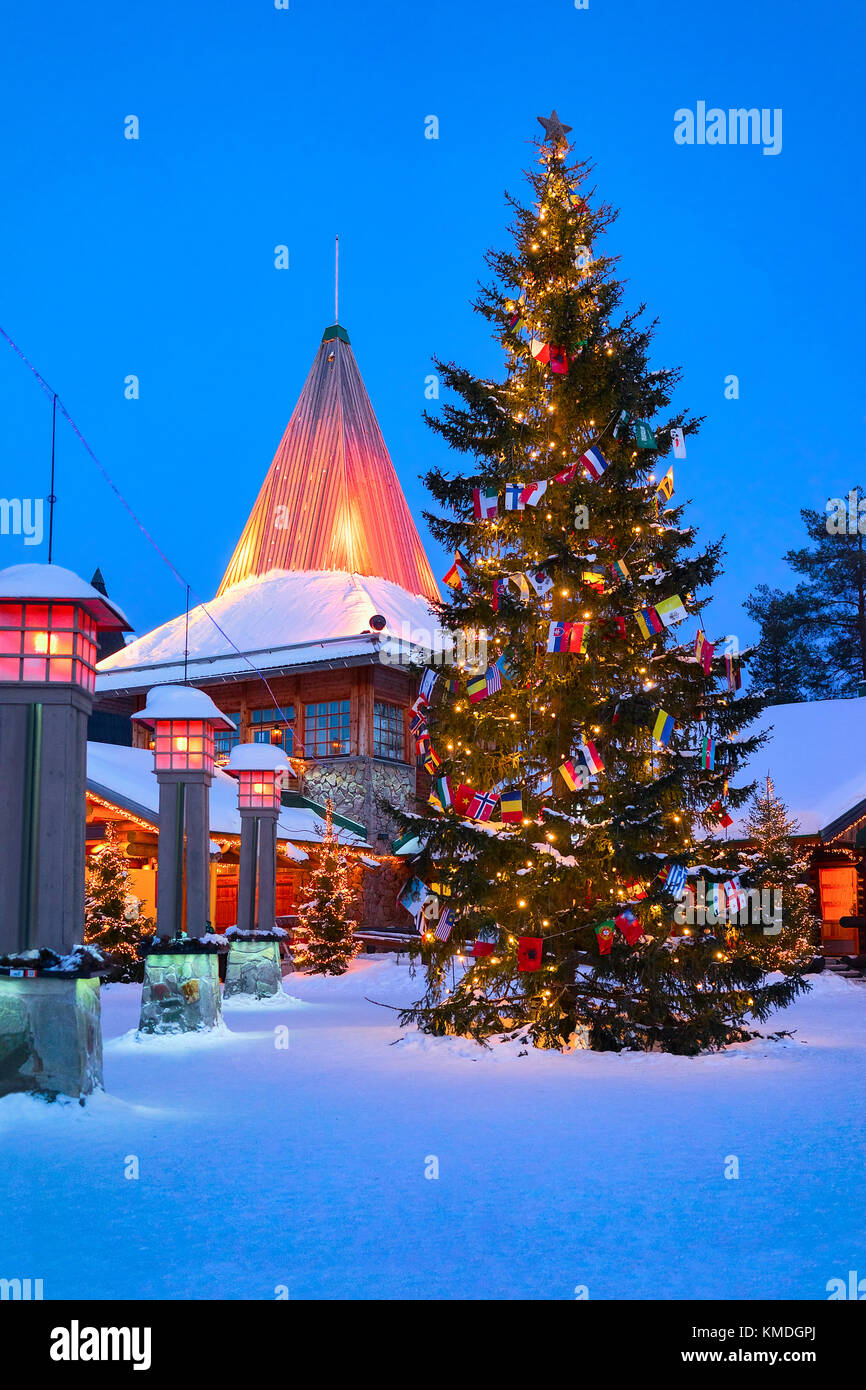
{"x":838,"y":884}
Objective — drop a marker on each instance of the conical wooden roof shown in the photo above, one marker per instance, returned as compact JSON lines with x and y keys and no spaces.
{"x":331,"y":499}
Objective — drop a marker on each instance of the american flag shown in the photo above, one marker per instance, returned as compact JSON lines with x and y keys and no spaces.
{"x":493,"y":676}
{"x":445,"y":925}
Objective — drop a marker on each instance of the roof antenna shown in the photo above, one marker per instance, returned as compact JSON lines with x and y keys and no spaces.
{"x":186,"y":642}
{"x":51,"y":497}
{"x":336,"y":279}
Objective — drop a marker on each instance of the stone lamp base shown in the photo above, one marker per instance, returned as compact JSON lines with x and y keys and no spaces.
{"x":254,"y":964}
{"x":50,"y":1029}
{"x":181,"y":990}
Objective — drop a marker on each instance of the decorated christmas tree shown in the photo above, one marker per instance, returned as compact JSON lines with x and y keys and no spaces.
{"x":324,"y":943}
{"x":113,"y":919}
{"x":775,"y":868}
{"x":582,"y":761}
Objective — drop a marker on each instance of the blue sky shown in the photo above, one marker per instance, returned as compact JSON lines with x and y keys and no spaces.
{"x":260,"y":127}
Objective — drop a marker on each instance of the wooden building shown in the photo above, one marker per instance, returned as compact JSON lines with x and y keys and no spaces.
{"x":309,"y":639}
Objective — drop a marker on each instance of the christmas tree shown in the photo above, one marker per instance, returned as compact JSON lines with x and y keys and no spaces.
{"x":113,"y":919}
{"x":324,"y":937}
{"x":601,"y":723}
{"x":777,"y":870}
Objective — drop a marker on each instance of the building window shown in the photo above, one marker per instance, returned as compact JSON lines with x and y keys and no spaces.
{"x":387,"y":731}
{"x":326,"y":731}
{"x":265,"y":721}
{"x":226,"y":739}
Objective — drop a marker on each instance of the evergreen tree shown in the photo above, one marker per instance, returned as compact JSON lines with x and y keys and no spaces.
{"x":813,"y":639}
{"x":324,"y":937}
{"x":541,"y":892}
{"x":113,"y":919}
{"x":774,"y":864}
{"x":783,"y":667}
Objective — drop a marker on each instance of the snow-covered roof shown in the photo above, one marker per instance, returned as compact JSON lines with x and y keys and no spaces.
{"x":816,"y":756}
{"x":55,"y":582}
{"x":181,"y":702}
{"x":279,"y":620}
{"x":257,"y":757}
{"x":125,"y":777}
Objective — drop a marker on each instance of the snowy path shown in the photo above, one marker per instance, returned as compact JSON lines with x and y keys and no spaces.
{"x":304,"y":1167}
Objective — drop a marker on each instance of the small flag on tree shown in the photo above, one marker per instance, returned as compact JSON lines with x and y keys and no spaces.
{"x":575,"y":778}
{"x":567,"y":475}
{"x":619,"y":570}
{"x":644,"y":437}
{"x":514,"y":497}
{"x":604,"y":934}
{"x":592,"y":758}
{"x":732,"y":671}
{"x":666,"y":486}
{"x":704,"y":651}
{"x":533,"y":493}
{"x":621,"y":422}
{"x":504,"y":663}
{"x":671,"y":610}
{"x":630,"y":925}
{"x":445,"y":925}
{"x":649,"y":621}
{"x":566,"y":637}
{"x":500,"y":587}
{"x":485,"y":505}
{"x":663,"y":727}
{"x":428,"y":680}
{"x":457,"y":573}
{"x":483,"y":948}
{"x":529,"y":952}
{"x":463,"y":795}
{"x":558,"y":360}
{"x":477,"y":689}
{"x":493,"y":677}
{"x":442,"y":789}
{"x":678,"y":440}
{"x":481,"y":806}
{"x":511,"y":806}
{"x":673,"y":877}
{"x":722,"y":817}
{"x":539,"y":350}
{"x":541,"y":581}
{"x":708,"y":753}
{"x":594,"y":463}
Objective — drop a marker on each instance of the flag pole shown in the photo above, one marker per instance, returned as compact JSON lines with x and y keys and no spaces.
{"x":336,"y":279}
{"x":51,"y":497}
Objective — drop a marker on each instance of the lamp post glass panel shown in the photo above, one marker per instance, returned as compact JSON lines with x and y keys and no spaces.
{"x":183,"y":745}
{"x":49,"y":643}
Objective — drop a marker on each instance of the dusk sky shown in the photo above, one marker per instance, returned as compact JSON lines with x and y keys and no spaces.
{"x":261,"y":127}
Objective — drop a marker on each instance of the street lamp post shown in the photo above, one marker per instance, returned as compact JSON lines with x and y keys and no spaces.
{"x":181,"y":985}
{"x":50,"y":1034}
{"x":254,"y":956}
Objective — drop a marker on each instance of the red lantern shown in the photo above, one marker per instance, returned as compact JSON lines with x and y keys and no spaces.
{"x":183,"y":720}
{"x":51,"y":637}
{"x":260,"y":769}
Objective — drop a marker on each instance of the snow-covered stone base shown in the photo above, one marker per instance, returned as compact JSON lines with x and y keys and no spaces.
{"x":254,"y":968}
{"x":181,"y":992}
{"x":50,"y":1036}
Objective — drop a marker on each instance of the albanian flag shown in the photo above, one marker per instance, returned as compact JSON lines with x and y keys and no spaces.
{"x":529,"y":952}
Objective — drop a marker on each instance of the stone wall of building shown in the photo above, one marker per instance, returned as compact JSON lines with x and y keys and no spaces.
{"x":353,"y":785}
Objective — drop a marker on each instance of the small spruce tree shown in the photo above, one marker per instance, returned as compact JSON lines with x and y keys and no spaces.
{"x":775,"y":863}
{"x":113,"y":919}
{"x":324,"y":939}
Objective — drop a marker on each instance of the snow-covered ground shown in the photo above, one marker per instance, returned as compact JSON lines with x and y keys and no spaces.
{"x":304,"y":1167}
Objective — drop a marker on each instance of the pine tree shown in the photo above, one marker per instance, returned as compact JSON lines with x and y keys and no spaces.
{"x":774,"y":865}
{"x":783,"y":667}
{"x":592,"y":552}
{"x":113,"y":919}
{"x":813,"y":639}
{"x":324,"y":937}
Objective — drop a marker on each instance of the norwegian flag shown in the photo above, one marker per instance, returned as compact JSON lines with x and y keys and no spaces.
{"x":481,"y":806}
{"x":417,"y":723}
